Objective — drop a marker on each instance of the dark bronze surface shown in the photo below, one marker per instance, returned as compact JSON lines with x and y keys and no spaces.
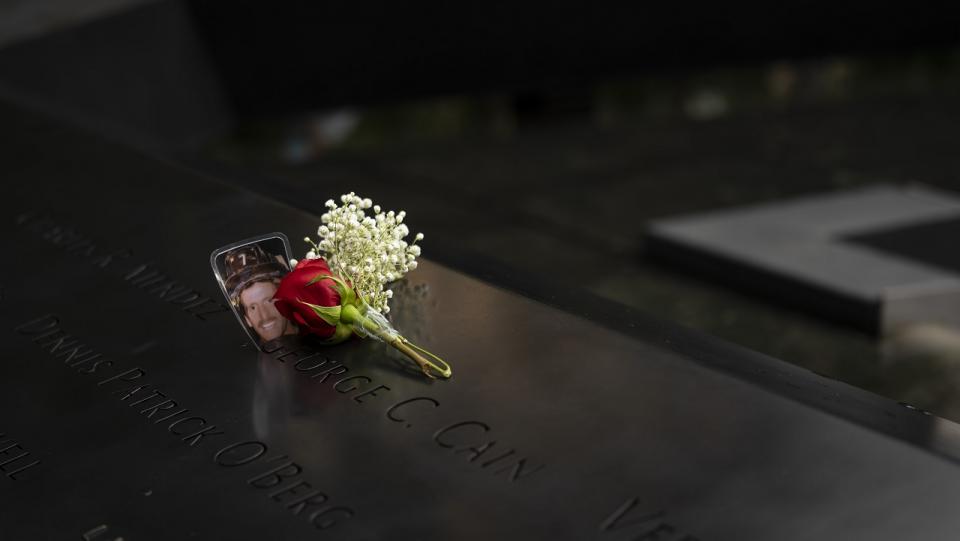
{"x":651,"y":433}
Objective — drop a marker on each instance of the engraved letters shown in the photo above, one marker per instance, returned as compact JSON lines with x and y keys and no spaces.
{"x":649,"y":526}
{"x":14,"y":458}
{"x":132,"y":388}
{"x":298,"y":496}
{"x":143,"y":276}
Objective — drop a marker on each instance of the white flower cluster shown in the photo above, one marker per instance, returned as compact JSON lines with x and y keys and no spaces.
{"x":369,"y":251}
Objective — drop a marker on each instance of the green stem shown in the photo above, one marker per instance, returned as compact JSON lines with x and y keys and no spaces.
{"x":350,"y":315}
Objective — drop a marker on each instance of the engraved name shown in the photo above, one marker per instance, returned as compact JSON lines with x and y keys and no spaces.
{"x":144,"y":276}
{"x":470,"y":440}
{"x":131,"y":387}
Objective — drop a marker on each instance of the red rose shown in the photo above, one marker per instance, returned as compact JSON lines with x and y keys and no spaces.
{"x":302,"y":287}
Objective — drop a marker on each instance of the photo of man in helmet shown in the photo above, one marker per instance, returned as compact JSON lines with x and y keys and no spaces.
{"x":251,"y":278}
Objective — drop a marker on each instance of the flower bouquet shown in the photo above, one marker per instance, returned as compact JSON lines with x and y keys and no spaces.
{"x":340,"y":289}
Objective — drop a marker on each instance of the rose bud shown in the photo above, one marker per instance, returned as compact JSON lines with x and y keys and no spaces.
{"x":311,"y":296}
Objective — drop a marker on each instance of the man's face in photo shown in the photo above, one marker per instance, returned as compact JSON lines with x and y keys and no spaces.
{"x":260,"y":314}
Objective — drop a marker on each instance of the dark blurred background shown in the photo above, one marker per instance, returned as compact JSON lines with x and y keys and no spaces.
{"x":538,"y":139}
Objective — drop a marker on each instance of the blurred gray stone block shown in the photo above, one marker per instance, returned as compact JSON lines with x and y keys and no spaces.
{"x":838,"y":254}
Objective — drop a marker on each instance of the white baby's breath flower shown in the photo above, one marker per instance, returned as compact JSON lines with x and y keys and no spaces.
{"x":369,"y":251}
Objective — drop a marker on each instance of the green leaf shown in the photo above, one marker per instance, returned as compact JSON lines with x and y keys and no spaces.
{"x":349,"y":296}
{"x":341,"y":290}
{"x":317,"y":278}
{"x":330,"y":314}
